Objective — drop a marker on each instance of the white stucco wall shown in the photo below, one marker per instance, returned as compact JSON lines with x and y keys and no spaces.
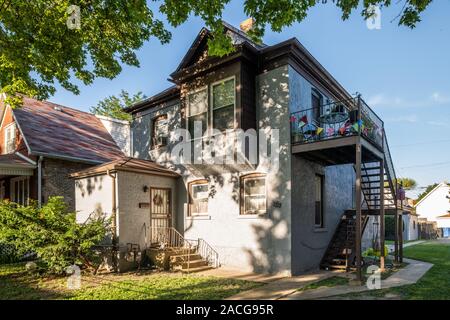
{"x":93,"y":194}
{"x":134,"y":222}
{"x":434,"y":205}
{"x":119,"y":131}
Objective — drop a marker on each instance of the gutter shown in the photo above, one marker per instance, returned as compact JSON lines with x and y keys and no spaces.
{"x":113,"y":216}
{"x":39,"y":163}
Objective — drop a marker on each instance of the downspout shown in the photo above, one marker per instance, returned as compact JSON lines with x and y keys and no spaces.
{"x":39,"y":163}
{"x":113,"y":217}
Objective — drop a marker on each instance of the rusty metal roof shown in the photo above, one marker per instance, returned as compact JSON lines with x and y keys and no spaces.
{"x":127,"y":164}
{"x":57,"y":131}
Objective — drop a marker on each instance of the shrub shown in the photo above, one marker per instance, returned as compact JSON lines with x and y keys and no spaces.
{"x":52,"y":233}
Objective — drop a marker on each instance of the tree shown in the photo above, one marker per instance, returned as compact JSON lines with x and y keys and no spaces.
{"x":52,"y":233}
{"x":113,"y":106}
{"x":428,"y":189}
{"x":48,"y":42}
{"x":407,"y":183}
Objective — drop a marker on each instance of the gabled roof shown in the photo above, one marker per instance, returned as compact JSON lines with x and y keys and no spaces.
{"x":442,"y":184}
{"x":127,"y":164}
{"x":56,"y":131}
{"x":237,"y":36}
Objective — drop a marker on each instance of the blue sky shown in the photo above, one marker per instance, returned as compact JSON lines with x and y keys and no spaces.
{"x":403,"y":74}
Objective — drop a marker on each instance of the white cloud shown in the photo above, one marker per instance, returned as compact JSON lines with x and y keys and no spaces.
{"x":440,"y":98}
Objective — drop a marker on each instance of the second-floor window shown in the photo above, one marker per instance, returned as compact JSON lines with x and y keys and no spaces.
{"x":223,"y":104}
{"x":160,"y":131}
{"x":10,"y":138}
{"x":197,"y":110}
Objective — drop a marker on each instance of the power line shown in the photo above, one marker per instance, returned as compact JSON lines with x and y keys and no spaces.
{"x":429,"y":165}
{"x":420,"y":143}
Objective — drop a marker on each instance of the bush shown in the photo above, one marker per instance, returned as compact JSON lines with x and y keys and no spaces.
{"x":8,"y":253}
{"x":52,"y":233}
{"x":375,"y":253}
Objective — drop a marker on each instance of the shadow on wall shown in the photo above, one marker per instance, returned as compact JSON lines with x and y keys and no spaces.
{"x":87,"y":188}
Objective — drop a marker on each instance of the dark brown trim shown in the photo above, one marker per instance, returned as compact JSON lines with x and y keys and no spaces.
{"x":159,"y":98}
{"x":241,"y":190}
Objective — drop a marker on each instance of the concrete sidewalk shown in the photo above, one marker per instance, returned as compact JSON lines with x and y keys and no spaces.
{"x":283,"y":287}
{"x":391,"y":247}
{"x":408,"y":275}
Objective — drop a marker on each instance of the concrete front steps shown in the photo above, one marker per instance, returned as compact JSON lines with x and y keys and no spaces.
{"x":186,"y":262}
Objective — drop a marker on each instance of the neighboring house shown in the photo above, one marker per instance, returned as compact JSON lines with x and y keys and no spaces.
{"x":287,"y":214}
{"x":435,"y":206}
{"x":410,"y":221}
{"x":41,"y":143}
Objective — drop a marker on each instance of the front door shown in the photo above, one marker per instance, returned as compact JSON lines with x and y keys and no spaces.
{"x":160,"y":212}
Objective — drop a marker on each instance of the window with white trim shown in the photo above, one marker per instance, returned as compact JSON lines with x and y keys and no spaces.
{"x":160,"y":131}
{"x":198,"y":194}
{"x":223,"y":104}
{"x":197,"y":110}
{"x":10,"y":138}
{"x":253,"y":194}
{"x":20,"y":190}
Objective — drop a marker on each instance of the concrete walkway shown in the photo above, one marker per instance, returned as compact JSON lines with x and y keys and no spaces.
{"x":283,"y":287}
{"x":391,"y":247}
{"x":408,"y":275}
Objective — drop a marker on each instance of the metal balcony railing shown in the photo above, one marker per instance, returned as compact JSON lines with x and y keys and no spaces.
{"x":336,"y":120}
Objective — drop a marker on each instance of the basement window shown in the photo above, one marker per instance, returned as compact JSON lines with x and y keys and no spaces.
{"x":253,"y":194}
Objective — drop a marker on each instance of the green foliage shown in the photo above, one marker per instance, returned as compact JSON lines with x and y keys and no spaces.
{"x":38,"y":50}
{"x":8,"y":253}
{"x":407,"y":183}
{"x":375,"y":253}
{"x":427,"y":191}
{"x":52,"y":233}
{"x":113,"y":106}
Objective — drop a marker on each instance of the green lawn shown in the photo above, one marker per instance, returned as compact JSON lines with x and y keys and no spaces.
{"x":434,"y":285}
{"x":15,"y":283}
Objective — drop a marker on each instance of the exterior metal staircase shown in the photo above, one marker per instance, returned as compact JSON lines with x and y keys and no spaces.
{"x":340,"y":253}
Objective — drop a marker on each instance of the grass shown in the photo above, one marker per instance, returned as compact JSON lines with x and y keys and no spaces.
{"x":17,"y":284}
{"x":329,"y":282}
{"x":434,"y":285}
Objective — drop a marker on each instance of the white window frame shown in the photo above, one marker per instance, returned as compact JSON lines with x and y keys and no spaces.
{"x":25,"y":196}
{"x":11,"y":126}
{"x":192,"y":185}
{"x":188,"y":113}
{"x":243,"y":196}
{"x":212,"y":100}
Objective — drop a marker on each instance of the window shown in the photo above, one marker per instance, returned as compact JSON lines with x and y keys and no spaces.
{"x":20,"y":190}
{"x":253,"y":194}
{"x":10,"y":138}
{"x":319,"y":188}
{"x":223,"y":103}
{"x":198,"y":198}
{"x":414,"y":225}
{"x":160,"y":131}
{"x":197,"y":110}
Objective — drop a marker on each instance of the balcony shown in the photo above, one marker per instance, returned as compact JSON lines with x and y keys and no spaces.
{"x":330,"y":133}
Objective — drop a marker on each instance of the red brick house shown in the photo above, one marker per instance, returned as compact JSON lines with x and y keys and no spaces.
{"x":41,"y":143}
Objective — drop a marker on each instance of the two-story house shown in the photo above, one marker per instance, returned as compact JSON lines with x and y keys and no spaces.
{"x":325,"y":179}
{"x":41,"y":143}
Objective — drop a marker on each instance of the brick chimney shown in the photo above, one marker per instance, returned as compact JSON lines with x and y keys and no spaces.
{"x":247,"y":25}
